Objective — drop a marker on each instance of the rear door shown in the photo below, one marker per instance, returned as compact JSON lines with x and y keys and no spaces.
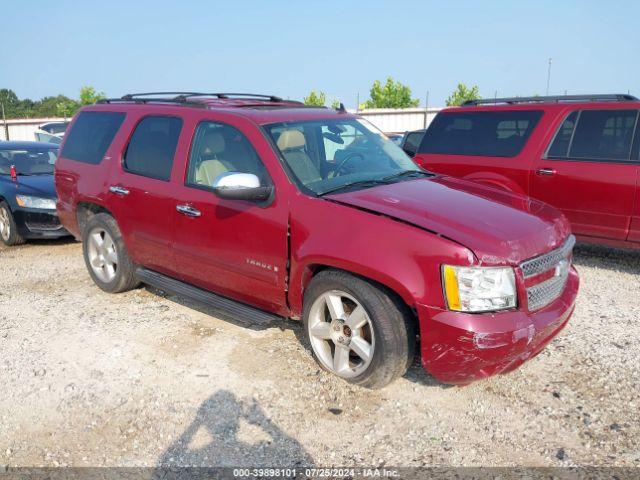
{"x":634,"y":231}
{"x":140,"y":190}
{"x":588,"y":173}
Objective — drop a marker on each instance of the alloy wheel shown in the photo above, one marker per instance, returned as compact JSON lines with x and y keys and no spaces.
{"x":5,"y":224}
{"x":102,"y":253}
{"x":341,"y":334}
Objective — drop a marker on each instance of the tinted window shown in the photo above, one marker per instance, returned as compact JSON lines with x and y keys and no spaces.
{"x":153,"y":146}
{"x":412,"y":142}
{"x":91,"y":136}
{"x":604,"y":134}
{"x":560,"y":146}
{"x":219,"y":148}
{"x":494,"y":134}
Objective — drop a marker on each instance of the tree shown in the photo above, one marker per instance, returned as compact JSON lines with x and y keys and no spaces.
{"x":58,"y":106}
{"x":66,"y":107}
{"x":89,"y":96}
{"x":315,"y":99}
{"x":335,"y":104}
{"x":461,"y":94}
{"x":390,"y":95}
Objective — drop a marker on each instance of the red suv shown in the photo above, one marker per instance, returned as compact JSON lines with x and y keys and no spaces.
{"x":265,"y":208}
{"x":577,"y":153}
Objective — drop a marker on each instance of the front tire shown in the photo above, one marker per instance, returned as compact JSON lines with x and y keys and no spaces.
{"x":358,"y":330}
{"x":105,"y":255}
{"x":8,"y":229}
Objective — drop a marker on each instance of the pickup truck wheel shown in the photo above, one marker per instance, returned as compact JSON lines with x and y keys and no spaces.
{"x":105,"y":255}
{"x":357,"y":330}
{"x":8,"y":230}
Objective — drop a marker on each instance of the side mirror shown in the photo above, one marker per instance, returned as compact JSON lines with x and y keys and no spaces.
{"x":409,"y":152}
{"x":240,"y":186}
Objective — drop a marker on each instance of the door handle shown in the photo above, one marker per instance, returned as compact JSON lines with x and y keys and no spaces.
{"x":118,"y":190}
{"x":546,"y":171}
{"x":188,"y":210}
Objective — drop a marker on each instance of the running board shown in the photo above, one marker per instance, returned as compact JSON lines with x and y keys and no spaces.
{"x":235,"y":311}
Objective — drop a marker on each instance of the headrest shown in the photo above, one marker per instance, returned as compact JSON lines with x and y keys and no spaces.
{"x":212,"y":143}
{"x":291,"y":139}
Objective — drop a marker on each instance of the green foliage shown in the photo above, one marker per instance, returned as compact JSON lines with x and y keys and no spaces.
{"x":461,"y":94}
{"x":89,"y":96}
{"x":335,"y":104}
{"x":315,"y":99}
{"x":390,"y":95}
{"x":58,"y":106}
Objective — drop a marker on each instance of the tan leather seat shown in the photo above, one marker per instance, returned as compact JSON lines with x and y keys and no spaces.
{"x":213,"y":145}
{"x":292,"y":145}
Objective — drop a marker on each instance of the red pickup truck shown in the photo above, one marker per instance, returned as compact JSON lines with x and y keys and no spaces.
{"x":578,"y":153}
{"x":265,"y":208}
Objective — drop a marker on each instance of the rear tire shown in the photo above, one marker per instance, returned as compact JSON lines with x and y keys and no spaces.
{"x":8,"y":229}
{"x":358,"y":330}
{"x":105,"y":255}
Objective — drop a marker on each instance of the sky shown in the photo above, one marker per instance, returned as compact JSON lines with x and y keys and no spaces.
{"x":288,"y":48}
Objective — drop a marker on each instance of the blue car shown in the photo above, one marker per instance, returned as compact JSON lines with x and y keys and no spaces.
{"x":27,"y":194}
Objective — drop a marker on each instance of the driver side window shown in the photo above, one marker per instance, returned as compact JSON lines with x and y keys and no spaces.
{"x":219,"y":148}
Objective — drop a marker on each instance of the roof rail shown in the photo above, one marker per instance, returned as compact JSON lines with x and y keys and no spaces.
{"x":185,"y":98}
{"x":615,"y":97}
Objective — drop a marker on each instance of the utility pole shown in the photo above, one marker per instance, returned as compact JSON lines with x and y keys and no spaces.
{"x":4,"y":120}
{"x":426,"y":109}
{"x":549,"y":75}
{"x":357,"y":102}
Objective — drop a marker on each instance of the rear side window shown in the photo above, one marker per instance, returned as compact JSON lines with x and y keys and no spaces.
{"x":91,"y":135}
{"x":491,"y":134}
{"x":560,"y":146}
{"x":152,"y":147}
{"x":604,"y":135}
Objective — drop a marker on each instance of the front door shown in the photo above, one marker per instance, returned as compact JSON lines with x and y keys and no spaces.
{"x":236,"y":248}
{"x":588,"y":173}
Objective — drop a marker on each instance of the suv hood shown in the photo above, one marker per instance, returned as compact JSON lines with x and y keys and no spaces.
{"x":497,"y":226}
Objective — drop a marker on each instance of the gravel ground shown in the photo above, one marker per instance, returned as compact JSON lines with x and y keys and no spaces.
{"x":139,"y":379}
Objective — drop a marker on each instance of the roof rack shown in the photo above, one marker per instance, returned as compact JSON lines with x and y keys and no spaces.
{"x":616,"y":97}
{"x":187,"y":98}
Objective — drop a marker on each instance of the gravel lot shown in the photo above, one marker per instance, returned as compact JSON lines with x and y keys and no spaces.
{"x":92,"y":379}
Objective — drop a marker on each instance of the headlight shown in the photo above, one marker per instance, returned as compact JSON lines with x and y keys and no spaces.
{"x":36,"y":202}
{"x":479,"y":289}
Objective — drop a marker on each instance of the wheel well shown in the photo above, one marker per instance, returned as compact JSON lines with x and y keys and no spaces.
{"x":86,"y":210}
{"x":315,"y":269}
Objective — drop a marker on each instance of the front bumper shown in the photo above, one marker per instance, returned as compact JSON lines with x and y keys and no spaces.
{"x":459,"y":348}
{"x":35,"y":223}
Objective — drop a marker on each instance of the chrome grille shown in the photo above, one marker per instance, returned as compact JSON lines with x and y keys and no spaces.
{"x":546,"y":262}
{"x":544,"y":293}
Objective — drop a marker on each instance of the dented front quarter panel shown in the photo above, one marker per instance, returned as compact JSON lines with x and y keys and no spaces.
{"x":459,"y":348}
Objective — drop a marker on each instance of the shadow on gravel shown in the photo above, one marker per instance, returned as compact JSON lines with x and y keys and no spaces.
{"x":616,"y":259}
{"x":39,"y":243}
{"x":212,"y":439}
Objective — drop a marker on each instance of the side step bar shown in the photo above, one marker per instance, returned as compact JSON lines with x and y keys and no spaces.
{"x":235,"y":311}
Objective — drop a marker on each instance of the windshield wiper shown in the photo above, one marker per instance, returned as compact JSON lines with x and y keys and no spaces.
{"x":359,"y":183}
{"x":406,"y":173}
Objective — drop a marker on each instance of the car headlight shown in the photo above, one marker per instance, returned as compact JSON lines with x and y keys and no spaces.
{"x":36,"y":202}
{"x":479,"y":289}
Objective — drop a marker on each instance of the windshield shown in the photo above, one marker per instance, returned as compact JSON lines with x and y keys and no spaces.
{"x":31,"y":161}
{"x":326,"y":155}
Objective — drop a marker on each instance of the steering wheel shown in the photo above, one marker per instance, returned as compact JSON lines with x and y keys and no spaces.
{"x":339,"y":168}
